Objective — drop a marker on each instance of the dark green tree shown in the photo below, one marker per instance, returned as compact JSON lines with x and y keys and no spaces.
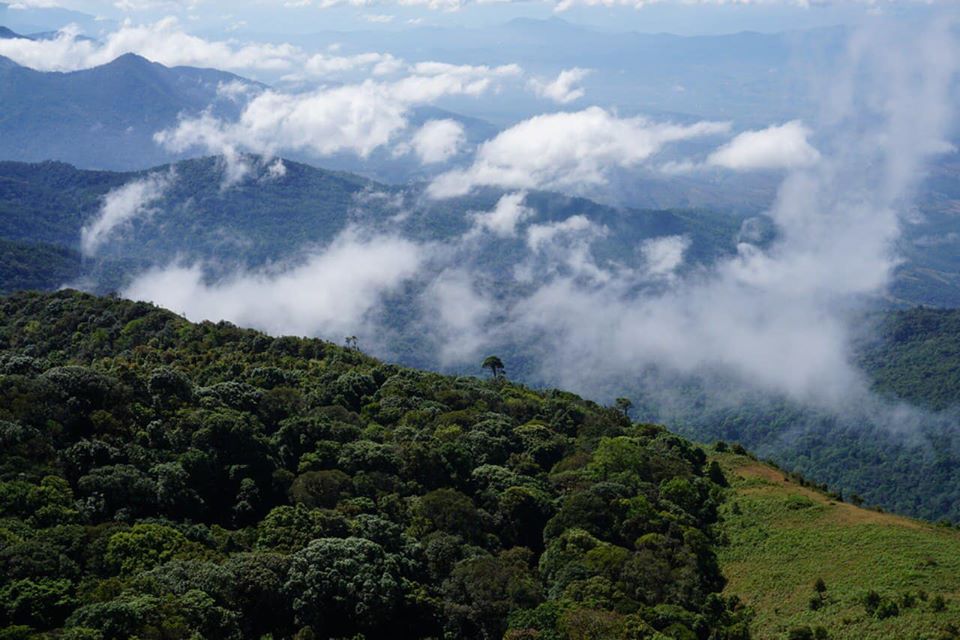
{"x":495,"y":365}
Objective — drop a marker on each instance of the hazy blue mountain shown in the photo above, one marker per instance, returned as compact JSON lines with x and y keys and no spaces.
{"x":752,"y":78}
{"x":7,"y":34}
{"x":27,"y":19}
{"x":103,"y":117}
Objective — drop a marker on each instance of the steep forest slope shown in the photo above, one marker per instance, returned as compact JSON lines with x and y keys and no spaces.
{"x":162,"y":479}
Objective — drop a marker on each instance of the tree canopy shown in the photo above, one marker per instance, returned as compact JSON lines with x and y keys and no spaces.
{"x":163,"y":479}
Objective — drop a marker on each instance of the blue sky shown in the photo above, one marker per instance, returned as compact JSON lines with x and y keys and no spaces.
{"x":306,"y":16}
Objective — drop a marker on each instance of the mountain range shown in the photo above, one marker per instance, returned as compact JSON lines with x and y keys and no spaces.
{"x":268,"y":222}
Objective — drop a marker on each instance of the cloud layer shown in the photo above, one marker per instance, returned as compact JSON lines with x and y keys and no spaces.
{"x":774,"y":315}
{"x":355,"y":118}
{"x":333,"y":292}
{"x":566,"y":150}
{"x":164,"y":42}
{"x":565,"y":88}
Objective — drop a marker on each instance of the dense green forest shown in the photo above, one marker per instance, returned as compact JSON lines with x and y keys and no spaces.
{"x":915,"y":356}
{"x":27,"y":265}
{"x":162,"y":479}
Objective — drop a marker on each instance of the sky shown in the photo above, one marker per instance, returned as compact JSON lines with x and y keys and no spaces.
{"x":290,"y":17}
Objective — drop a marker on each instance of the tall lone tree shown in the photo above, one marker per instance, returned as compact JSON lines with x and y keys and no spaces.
{"x":495,"y":365}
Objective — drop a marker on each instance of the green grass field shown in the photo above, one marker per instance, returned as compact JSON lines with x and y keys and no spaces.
{"x":783,"y":537}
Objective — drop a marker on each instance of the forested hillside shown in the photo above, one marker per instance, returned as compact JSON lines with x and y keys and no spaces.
{"x":162,"y":479}
{"x":279,"y":220}
{"x":276,"y":218}
{"x":916,"y":356}
{"x":36,"y":266}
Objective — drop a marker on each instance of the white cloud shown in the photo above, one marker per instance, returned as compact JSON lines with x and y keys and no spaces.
{"x":541,"y":235}
{"x":456,"y":313}
{"x":332,"y":294}
{"x":277,"y":170}
{"x":467,"y":71}
{"x":379,"y":18}
{"x":502,"y":221}
{"x":236,"y":90}
{"x":778,"y":147}
{"x":563,"y":249}
{"x":664,"y":255}
{"x":357,"y":118}
{"x":164,"y":42}
{"x":121,"y":205}
{"x":566,"y":151}
{"x":438,"y":141}
{"x":323,"y":65}
{"x":564,"y":88}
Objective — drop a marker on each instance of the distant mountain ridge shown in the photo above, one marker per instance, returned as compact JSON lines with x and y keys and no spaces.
{"x":105,"y":116}
{"x":7,"y":34}
{"x":50,"y":202}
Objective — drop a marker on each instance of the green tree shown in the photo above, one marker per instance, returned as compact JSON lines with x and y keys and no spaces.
{"x":343,"y":586}
{"x":482,"y":592}
{"x":623,"y":405}
{"x":495,"y":365}
{"x":144,"y":546}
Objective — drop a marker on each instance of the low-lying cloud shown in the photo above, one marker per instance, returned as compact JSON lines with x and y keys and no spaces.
{"x":438,"y":141}
{"x":164,"y":42}
{"x":121,"y":206}
{"x":779,"y":147}
{"x":565,"y":88}
{"x":566,"y":151}
{"x":771,"y":315}
{"x":333,"y":292}
{"x":504,"y":218}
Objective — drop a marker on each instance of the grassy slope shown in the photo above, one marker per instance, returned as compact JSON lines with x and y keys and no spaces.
{"x":786,"y":536}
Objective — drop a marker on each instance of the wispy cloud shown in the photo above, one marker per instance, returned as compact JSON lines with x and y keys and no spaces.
{"x":121,"y":206}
